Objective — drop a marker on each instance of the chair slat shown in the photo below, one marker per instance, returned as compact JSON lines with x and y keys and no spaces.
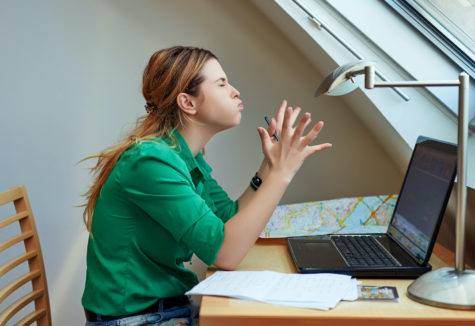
{"x":31,"y":318}
{"x":13,"y":218}
{"x":12,"y":286}
{"x":17,"y":261}
{"x":11,"y":310}
{"x":11,"y":195}
{"x":14,"y":240}
{"x":32,"y":255}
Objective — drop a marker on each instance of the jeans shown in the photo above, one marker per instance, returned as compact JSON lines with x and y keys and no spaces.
{"x":178,"y":315}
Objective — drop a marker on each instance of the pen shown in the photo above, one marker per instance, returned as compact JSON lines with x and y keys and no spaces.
{"x":275,"y":132}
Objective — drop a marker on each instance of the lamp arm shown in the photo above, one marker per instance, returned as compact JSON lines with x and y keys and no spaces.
{"x":417,"y":83}
{"x":355,"y":73}
{"x":370,"y":82}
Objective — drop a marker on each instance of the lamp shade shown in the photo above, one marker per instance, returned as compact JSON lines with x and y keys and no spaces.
{"x":337,"y":83}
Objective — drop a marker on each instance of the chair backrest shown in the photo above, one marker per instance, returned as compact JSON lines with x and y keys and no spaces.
{"x":35,"y":272}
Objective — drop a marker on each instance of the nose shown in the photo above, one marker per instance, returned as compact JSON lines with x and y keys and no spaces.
{"x":235,"y":93}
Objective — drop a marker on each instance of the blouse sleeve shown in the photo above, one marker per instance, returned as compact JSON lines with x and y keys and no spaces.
{"x":225,"y":208}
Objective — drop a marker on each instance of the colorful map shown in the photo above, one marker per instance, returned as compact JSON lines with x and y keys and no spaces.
{"x":346,"y":215}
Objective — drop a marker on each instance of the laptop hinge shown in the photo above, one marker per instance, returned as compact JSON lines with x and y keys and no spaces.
{"x":417,"y":258}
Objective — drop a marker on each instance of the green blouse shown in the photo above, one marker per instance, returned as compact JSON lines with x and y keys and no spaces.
{"x":158,"y":206}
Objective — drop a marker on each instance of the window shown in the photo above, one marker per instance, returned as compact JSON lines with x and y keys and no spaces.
{"x":449,"y":24}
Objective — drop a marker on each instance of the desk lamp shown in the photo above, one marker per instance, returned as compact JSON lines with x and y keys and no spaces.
{"x":449,"y":287}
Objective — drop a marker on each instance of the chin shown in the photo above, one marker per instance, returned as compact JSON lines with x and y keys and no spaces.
{"x":238,"y":121}
{"x":234,"y":123}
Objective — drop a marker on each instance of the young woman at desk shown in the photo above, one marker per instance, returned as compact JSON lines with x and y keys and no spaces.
{"x":154,"y":203}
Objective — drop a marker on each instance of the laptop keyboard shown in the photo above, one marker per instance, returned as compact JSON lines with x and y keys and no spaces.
{"x":363,"y":251}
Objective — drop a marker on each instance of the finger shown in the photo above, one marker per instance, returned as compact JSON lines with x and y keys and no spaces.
{"x":287,"y":123}
{"x":272,"y":127}
{"x":274,"y":135}
{"x":312,"y":134}
{"x":299,"y":130}
{"x":281,"y":113}
{"x":310,"y":150}
{"x":265,"y":139}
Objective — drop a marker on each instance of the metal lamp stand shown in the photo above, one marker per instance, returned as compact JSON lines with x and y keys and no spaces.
{"x":449,"y":287}
{"x":445,"y":287}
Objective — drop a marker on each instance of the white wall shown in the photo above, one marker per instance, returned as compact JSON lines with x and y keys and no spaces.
{"x":70,"y":85}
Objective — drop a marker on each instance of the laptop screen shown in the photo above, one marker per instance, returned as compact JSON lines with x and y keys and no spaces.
{"x":424,"y":196}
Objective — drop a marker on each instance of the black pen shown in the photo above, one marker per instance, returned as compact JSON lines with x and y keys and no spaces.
{"x":275,"y":132}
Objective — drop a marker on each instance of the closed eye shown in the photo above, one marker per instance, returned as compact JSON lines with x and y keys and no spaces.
{"x":222,"y":81}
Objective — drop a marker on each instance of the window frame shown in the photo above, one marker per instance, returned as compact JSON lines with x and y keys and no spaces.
{"x":434,"y":35}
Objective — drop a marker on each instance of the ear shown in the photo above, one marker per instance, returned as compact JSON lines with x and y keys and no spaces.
{"x":187,"y":103}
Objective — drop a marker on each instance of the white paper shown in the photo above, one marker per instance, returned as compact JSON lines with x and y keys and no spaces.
{"x":351,"y":292}
{"x":318,"y":291}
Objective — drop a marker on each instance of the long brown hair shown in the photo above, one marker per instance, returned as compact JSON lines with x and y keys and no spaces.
{"x":168,"y":73}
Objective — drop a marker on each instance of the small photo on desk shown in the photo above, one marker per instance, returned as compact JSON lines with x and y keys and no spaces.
{"x":378,"y":293}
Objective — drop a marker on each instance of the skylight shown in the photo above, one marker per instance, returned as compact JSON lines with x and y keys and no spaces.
{"x":449,"y":24}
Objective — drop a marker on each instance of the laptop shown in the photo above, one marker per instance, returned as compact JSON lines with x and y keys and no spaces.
{"x":404,"y":250}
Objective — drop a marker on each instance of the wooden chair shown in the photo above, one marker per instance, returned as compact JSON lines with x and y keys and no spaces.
{"x":35,"y":271}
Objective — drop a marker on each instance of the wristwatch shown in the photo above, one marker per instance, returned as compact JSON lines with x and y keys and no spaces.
{"x":256,"y":182}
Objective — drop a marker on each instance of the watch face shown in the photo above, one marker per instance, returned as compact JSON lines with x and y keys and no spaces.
{"x":256,"y":180}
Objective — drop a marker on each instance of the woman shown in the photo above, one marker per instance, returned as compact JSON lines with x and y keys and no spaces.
{"x":154,"y":203}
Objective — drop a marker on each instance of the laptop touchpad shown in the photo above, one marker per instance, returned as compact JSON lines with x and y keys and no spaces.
{"x":319,"y":253}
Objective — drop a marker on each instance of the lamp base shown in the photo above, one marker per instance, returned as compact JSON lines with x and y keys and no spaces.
{"x":445,"y":288}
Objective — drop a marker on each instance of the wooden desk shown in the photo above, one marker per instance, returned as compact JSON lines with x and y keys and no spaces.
{"x":272,"y":254}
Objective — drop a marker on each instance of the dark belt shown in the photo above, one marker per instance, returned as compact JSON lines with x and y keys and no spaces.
{"x":167,"y":303}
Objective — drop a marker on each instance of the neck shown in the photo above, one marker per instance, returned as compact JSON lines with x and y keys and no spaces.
{"x":195,"y":136}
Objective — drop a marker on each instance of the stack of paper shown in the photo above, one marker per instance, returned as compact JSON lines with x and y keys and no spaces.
{"x":317,"y":291}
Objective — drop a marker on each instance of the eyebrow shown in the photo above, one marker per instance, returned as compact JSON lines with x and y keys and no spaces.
{"x":220,"y":79}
